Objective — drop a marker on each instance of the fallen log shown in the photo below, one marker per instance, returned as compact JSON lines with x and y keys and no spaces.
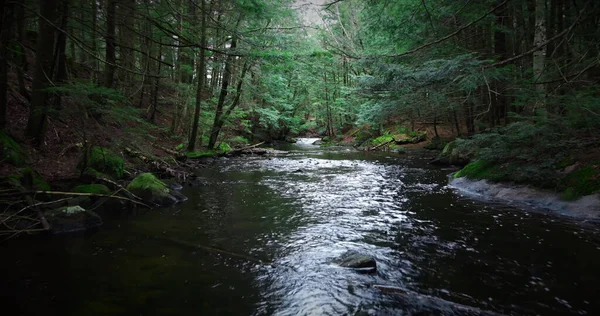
{"x":382,"y":144}
{"x":169,"y":151}
{"x":159,"y":165}
{"x":245,"y":148}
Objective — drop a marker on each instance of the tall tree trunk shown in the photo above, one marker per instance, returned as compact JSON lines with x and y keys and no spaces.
{"x":127,"y":40}
{"x":156,"y":85}
{"x":60,"y":54}
{"x":21,"y":58}
{"x":37,"y":123}
{"x":5,"y":23}
{"x":94,"y":43}
{"x":111,"y":59}
{"x":201,"y":77}
{"x":226,"y":77}
{"x":539,"y":56}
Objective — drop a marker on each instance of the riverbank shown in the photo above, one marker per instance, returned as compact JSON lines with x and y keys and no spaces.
{"x":585,"y":208}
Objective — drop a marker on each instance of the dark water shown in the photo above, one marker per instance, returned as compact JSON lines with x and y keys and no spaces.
{"x":300,"y":211}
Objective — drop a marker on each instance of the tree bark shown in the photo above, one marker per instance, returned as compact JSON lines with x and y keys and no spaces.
{"x":36,"y":125}
{"x":127,"y":39}
{"x":201,"y":77}
{"x":5,"y":23}
{"x":109,"y":67}
{"x":226,"y":77}
{"x":539,"y":56}
{"x":60,"y":71}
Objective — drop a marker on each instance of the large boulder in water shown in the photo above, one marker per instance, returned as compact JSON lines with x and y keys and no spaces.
{"x":154,"y":191}
{"x":72,"y":219}
{"x":358,"y":261}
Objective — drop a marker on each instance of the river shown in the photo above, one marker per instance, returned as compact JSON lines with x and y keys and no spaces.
{"x":297,"y":212}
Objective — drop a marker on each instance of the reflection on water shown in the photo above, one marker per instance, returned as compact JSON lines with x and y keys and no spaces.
{"x":300,"y":212}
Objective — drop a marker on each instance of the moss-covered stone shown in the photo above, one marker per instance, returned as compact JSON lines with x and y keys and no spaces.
{"x":92,"y":188}
{"x":581,"y":182}
{"x":29,"y":179}
{"x":481,"y":169}
{"x":72,"y":219}
{"x":436,"y":144}
{"x":11,"y":151}
{"x":200,"y":154}
{"x":104,"y":160}
{"x":452,"y":154}
{"x":152,"y":190}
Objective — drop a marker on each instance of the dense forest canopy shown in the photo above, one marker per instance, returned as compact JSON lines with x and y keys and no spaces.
{"x":234,"y":71}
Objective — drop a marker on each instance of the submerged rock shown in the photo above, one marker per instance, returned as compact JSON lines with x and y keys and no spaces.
{"x":72,"y":219}
{"x":173,"y":185}
{"x":355,"y":260}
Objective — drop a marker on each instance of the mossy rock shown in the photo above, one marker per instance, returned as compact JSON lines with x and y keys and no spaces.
{"x":29,"y":179}
{"x":11,"y":151}
{"x":103,"y":160}
{"x":92,"y":188}
{"x":154,"y":191}
{"x":452,"y":154}
{"x":71,"y":219}
{"x":200,"y":154}
{"x":482,"y":169}
{"x":436,"y":144}
{"x":581,"y":182}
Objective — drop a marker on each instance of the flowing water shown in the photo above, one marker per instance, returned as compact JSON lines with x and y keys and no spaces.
{"x":297,"y":213}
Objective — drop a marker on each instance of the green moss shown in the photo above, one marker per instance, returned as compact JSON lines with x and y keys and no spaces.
{"x":436,"y":144}
{"x":29,"y":179}
{"x":11,"y":151}
{"x":148,"y":183}
{"x":92,"y":188}
{"x":449,"y":148}
{"x":382,"y":139}
{"x":106,"y":161}
{"x":180,"y":147}
{"x":581,"y":182}
{"x":40,"y":184}
{"x":482,"y":169}
{"x":224,"y":147}
{"x":200,"y":154}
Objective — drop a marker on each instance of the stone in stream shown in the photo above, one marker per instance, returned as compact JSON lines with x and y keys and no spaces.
{"x":72,"y":219}
{"x":154,"y":191}
{"x":357,"y":261}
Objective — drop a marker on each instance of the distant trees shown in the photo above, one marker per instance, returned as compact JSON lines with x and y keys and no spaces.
{"x":250,"y":68}
{"x":472,"y":65}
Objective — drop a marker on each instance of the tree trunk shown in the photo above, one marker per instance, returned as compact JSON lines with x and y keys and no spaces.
{"x":539,"y":56}
{"x":21,"y":58}
{"x":5,"y":23}
{"x":201,"y":77}
{"x":127,"y":40}
{"x":156,"y":85}
{"x":36,"y":125}
{"x":111,"y":59}
{"x":60,"y":72}
{"x":226,"y":77}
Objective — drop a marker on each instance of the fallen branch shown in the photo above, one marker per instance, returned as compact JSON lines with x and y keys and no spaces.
{"x":382,"y":144}
{"x":168,"y":151}
{"x":93,"y":194}
{"x":246,"y":148}
{"x":212,"y":249}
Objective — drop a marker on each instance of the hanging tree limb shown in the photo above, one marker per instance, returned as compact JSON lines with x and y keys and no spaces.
{"x":538,"y":47}
{"x":445,"y":38}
